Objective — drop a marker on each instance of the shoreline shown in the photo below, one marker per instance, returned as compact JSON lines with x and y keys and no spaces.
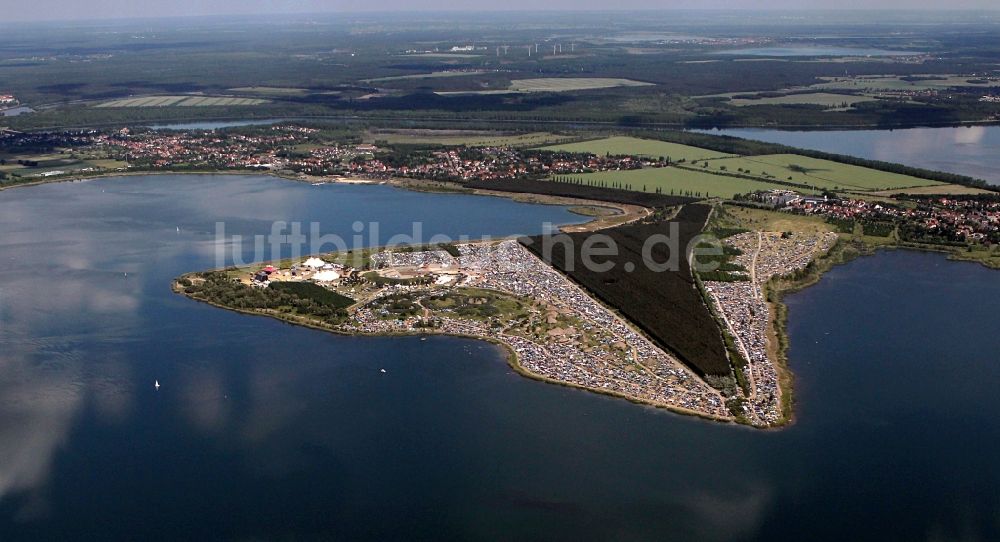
{"x":774,"y":290}
{"x":510,"y":356}
{"x":679,"y":125}
{"x":627,"y":213}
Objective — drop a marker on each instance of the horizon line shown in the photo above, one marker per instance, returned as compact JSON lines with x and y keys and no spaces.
{"x":509,"y":11}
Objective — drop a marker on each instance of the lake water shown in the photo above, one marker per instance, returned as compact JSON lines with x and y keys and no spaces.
{"x":214,"y":124}
{"x":971,"y":150}
{"x":263,"y":430}
{"x":16,"y":111}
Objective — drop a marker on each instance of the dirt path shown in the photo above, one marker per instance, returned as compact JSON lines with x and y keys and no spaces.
{"x":753,"y":264}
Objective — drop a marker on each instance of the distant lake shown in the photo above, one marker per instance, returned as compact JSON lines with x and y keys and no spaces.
{"x":971,"y":150}
{"x":214,"y":125}
{"x":265,"y":431}
{"x":815,"y":51}
{"x":16,"y":111}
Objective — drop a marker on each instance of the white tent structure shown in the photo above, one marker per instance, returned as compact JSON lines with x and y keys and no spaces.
{"x":313,"y":263}
{"x":326,"y":276}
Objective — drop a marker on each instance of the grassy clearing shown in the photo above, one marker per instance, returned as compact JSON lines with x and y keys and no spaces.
{"x":593,"y":210}
{"x":431,"y":75}
{"x":821,"y":174}
{"x":893,"y":83}
{"x":470,"y":139}
{"x":566,"y":84}
{"x":271,"y":91}
{"x":764,"y":220}
{"x":552,"y":84}
{"x":33,"y":165}
{"x":442,"y":55}
{"x":182,"y":101}
{"x":638,"y":147}
{"x":951,"y":189}
{"x":677,"y":181}
{"x":825,"y":99}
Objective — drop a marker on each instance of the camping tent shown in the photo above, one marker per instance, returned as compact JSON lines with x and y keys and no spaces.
{"x":326,"y":276}
{"x":313,"y":263}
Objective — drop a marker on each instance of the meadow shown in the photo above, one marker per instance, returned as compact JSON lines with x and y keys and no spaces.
{"x":632,"y":146}
{"x":182,"y":101}
{"x":715,"y":174}
{"x":890,"y":83}
{"x":566,"y":84}
{"x":469,"y":138}
{"x":549,"y":84}
{"x":815,"y":172}
{"x":950,"y":189}
{"x":272,"y":91}
{"x":430,"y":75}
{"x":22,"y":167}
{"x":679,"y":181}
{"x":825,"y":99}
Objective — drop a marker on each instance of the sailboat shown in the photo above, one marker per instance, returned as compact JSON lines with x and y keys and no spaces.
{"x":156,"y":384}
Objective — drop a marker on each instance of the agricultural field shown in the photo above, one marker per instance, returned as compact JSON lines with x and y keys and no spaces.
{"x":679,"y":181}
{"x":582,"y":191}
{"x":182,"y":101}
{"x":567,"y":84}
{"x":820,"y":174}
{"x":443,"y":55}
{"x":552,"y":84}
{"x":431,"y":75}
{"x":826,"y":99}
{"x":896,"y":83}
{"x":28,"y":166}
{"x":638,"y":147}
{"x":467,"y":138}
{"x":949,"y":189}
{"x":271,"y":91}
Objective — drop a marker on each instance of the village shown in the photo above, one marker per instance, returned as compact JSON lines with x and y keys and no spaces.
{"x":305,"y":151}
{"x":930,"y":218}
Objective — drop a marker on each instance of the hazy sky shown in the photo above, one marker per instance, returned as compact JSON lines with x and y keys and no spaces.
{"x":90,"y":9}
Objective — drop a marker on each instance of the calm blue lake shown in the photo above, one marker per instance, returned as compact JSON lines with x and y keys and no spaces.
{"x":967,"y":150}
{"x":265,"y":431}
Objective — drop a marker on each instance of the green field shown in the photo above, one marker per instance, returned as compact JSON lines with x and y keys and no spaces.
{"x":677,"y":181}
{"x":821,"y":174}
{"x":271,"y":91}
{"x":431,"y":75}
{"x":638,"y":147}
{"x":890,"y":83}
{"x":553,"y":84}
{"x":951,"y":189}
{"x":825,"y":99}
{"x":442,"y":55}
{"x":181,"y":101}
{"x":566,"y":84}
{"x":66,"y":162}
{"x":469,"y":139}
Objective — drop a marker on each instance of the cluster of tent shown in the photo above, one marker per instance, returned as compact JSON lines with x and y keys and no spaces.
{"x":324,"y":272}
